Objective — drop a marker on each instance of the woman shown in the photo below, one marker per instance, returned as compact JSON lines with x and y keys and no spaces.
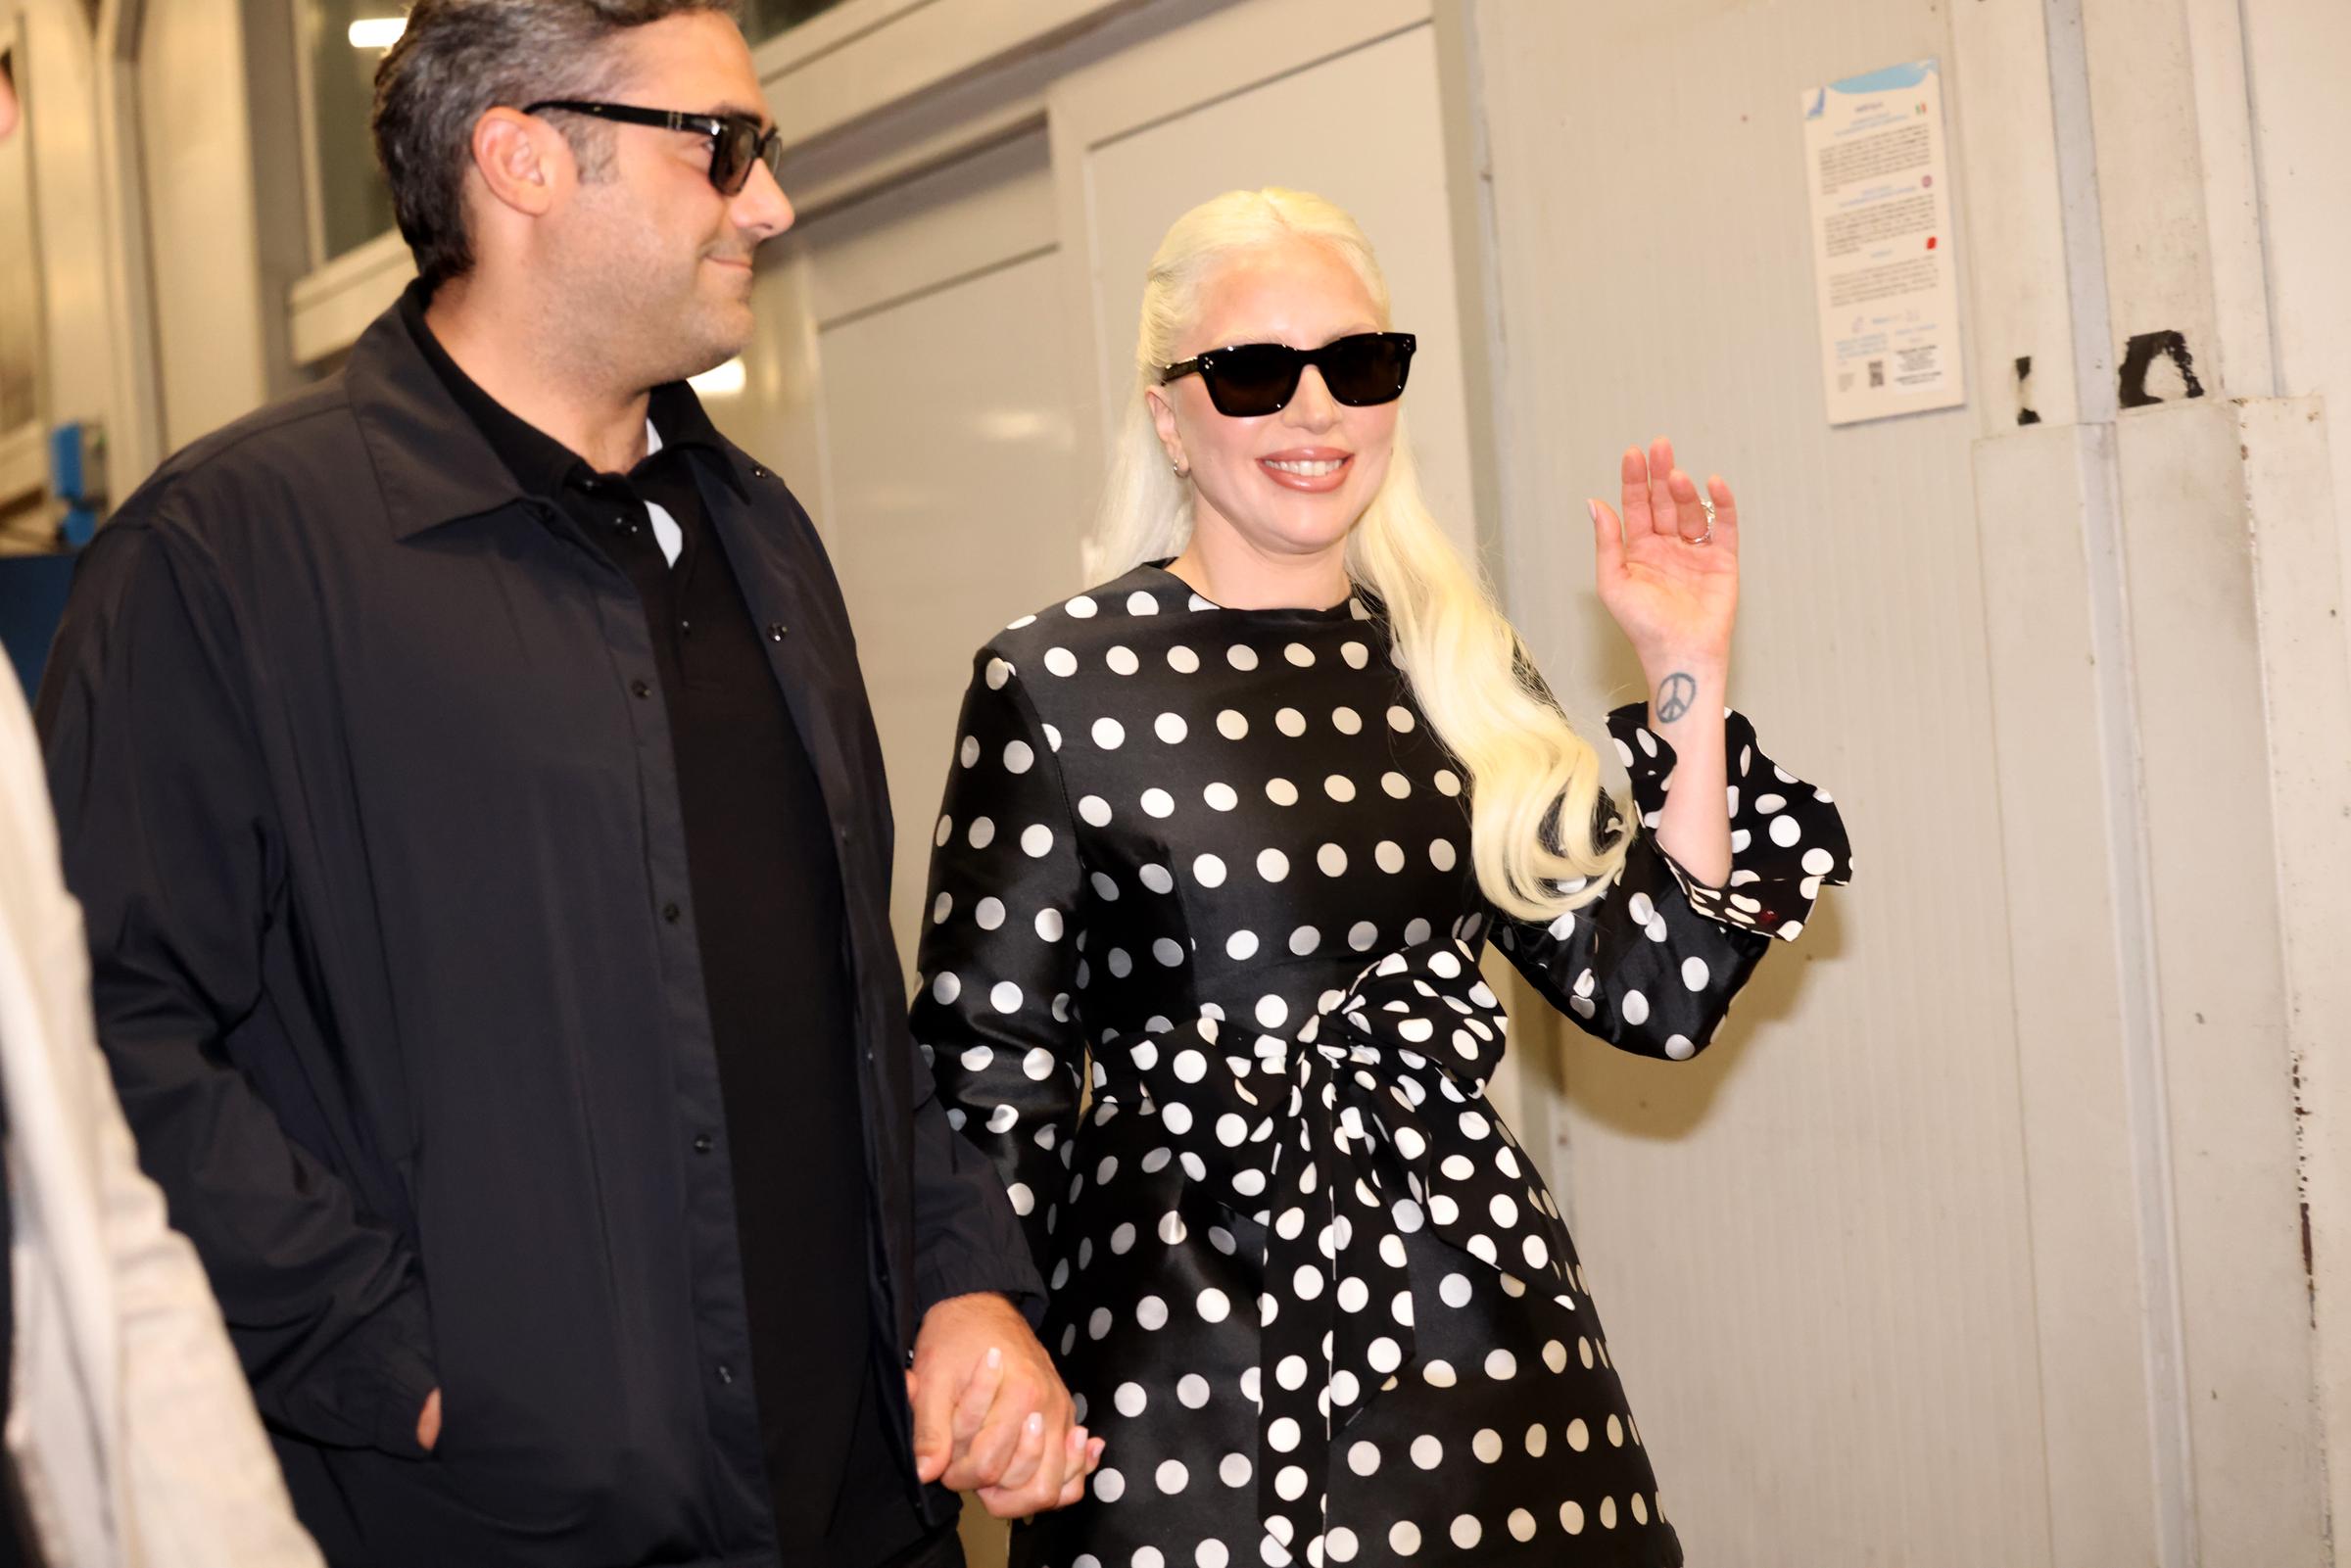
{"x":1235,"y":825}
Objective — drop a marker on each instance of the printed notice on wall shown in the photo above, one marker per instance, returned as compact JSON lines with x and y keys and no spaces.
{"x":1882,"y":244}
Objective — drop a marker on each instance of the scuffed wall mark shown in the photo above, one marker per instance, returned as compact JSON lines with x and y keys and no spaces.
{"x":2140,"y":356}
{"x":2025,"y":413}
{"x":2310,"y":1271}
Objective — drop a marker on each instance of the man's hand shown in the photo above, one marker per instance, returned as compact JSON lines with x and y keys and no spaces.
{"x":991,"y":1414}
{"x":428,"y":1425}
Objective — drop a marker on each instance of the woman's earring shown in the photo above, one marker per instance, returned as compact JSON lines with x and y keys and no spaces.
{"x":1181,"y":470}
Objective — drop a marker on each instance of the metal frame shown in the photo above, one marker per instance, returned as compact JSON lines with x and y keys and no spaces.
{"x":136,"y":419}
{"x":23,"y":447}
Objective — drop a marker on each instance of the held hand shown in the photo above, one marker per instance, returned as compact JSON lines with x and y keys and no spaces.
{"x":428,"y":1425}
{"x":991,"y":1414}
{"x":1079,"y":1456}
{"x":1674,"y":596}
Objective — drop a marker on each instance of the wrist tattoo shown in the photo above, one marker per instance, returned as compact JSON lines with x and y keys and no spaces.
{"x":1675,"y":693}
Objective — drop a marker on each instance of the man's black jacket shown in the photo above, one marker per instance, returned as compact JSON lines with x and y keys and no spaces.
{"x":365,"y":787}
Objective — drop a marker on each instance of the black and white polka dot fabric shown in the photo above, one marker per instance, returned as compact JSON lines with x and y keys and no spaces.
{"x":1304,"y":1284}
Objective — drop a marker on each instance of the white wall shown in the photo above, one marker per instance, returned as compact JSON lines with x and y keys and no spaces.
{"x":212,"y":336}
{"x":2298,"y":53}
{"x":57,"y":77}
{"x":1999,"y":1226}
{"x":1811,"y":1245}
{"x":2298,"y":57}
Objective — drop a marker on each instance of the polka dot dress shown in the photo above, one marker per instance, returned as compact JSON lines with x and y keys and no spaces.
{"x":1213,"y":865}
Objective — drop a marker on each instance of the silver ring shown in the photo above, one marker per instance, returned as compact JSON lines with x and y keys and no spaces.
{"x":1707,"y":538}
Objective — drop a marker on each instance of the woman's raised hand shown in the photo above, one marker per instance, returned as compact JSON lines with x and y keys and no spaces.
{"x":1668,"y":574}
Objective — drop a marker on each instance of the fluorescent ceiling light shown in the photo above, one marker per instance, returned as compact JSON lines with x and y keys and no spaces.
{"x":720,"y":381}
{"x":377,"y":32}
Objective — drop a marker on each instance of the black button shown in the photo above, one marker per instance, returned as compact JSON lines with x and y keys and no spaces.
{"x":624,"y":525}
{"x":671,"y":912}
{"x":776,"y":630}
{"x":685,"y":629}
{"x":640,"y":688}
{"x":703,"y":1143}
{"x":725,"y":1373}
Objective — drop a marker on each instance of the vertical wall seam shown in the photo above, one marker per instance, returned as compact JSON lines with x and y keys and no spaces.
{"x":2130,"y":855}
{"x":2127,"y":849}
{"x":2261,"y":211}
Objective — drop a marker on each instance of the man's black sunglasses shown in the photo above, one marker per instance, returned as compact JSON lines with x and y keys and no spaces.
{"x":1249,"y":379}
{"x":737,"y":141}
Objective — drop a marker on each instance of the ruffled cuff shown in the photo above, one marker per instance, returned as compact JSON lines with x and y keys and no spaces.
{"x":1787,"y":838}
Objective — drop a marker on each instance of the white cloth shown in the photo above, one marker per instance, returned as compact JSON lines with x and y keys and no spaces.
{"x":131,"y":1425}
{"x":666,"y":531}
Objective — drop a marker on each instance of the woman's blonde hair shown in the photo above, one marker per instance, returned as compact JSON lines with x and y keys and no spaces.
{"x":1534,"y":782}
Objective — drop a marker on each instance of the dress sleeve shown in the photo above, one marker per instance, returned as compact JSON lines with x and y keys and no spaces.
{"x":995,"y":1009}
{"x":1652,"y":965}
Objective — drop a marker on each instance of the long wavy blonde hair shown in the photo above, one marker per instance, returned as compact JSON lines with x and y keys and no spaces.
{"x":1534,"y":782}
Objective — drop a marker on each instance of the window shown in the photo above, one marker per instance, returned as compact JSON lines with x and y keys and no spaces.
{"x":762,"y":19}
{"x":344,"y":41}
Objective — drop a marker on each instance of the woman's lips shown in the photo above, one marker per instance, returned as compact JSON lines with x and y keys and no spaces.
{"x":1313,"y":470}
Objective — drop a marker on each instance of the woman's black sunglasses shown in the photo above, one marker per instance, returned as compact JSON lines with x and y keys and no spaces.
{"x":737,"y":141}
{"x":1250,"y":379}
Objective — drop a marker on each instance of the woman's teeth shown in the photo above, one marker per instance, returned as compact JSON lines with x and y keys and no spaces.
{"x":1316,"y":468}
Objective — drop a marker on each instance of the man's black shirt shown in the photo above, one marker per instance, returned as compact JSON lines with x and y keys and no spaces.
{"x":766,"y":911}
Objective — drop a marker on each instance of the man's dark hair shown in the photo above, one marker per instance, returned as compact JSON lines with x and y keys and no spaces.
{"x":459,"y":59}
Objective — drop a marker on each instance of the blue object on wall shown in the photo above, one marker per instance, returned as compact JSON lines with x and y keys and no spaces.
{"x":32,"y":599}
{"x":69,"y":475}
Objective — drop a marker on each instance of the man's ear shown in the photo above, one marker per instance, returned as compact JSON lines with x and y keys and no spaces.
{"x":522,"y":162}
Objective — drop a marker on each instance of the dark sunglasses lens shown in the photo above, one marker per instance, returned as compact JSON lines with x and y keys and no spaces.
{"x":1367,"y":369}
{"x":731,"y":156}
{"x":1254,"y":379}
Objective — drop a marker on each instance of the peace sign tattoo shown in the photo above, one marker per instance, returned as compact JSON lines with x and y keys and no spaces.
{"x":1675,"y":693}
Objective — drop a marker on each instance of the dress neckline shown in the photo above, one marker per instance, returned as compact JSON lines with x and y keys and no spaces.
{"x":1351,"y":608}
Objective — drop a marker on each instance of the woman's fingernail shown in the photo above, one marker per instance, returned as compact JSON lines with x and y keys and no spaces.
{"x":1036,"y":1423}
{"x":996,"y":1357}
{"x":1592,"y":507}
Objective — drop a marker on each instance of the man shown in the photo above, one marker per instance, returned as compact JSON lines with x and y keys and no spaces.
{"x":468,"y":777}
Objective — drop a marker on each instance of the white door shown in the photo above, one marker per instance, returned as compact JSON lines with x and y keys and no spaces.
{"x":1811,"y":1245}
{"x":909,"y":384}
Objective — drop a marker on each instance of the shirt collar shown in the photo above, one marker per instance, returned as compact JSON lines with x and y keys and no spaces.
{"x":445,"y":450}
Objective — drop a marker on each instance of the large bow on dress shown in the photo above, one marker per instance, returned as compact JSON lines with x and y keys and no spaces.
{"x":1381,"y":1128}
